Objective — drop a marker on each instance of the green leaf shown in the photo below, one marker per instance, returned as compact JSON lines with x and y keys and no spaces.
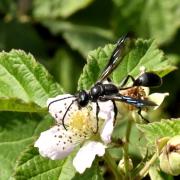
{"x":143,"y":53}
{"x":32,"y":166}
{"x":80,"y":37}
{"x":88,"y":39}
{"x":87,"y":29}
{"x":56,"y":8}
{"x":66,"y":68}
{"x":156,"y":130}
{"x":96,"y":60}
{"x":152,"y":19}
{"x":17,"y":130}
{"x":25,"y":85}
{"x":135,"y":137}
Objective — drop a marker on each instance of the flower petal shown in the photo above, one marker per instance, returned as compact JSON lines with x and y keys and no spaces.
{"x":57,"y":143}
{"x":105,"y":109}
{"x":86,"y":155}
{"x":157,"y":98}
{"x":106,"y":113}
{"x":108,"y":128}
{"x":58,"y":106}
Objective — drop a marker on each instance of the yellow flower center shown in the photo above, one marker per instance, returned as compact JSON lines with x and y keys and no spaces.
{"x":83,"y":122}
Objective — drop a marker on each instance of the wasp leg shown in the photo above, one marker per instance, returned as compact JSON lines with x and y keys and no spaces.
{"x":115,"y":111}
{"x":109,"y":79}
{"x":121,"y":87}
{"x":97,"y":118}
{"x":139,"y":112}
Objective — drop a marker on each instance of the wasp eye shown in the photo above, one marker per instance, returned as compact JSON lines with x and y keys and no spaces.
{"x":83,"y":98}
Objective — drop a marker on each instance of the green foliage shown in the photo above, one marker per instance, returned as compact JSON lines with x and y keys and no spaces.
{"x":56,"y":8}
{"x":47,"y":169}
{"x":25,"y":84}
{"x":63,"y":69}
{"x":144,"y":53}
{"x":148,"y":18}
{"x":95,"y":62}
{"x":157,"y":130}
{"x":29,"y":41}
{"x":42,"y":168}
{"x":62,"y":35}
{"x":77,"y":35}
{"x":147,"y":54}
{"x":18,"y":130}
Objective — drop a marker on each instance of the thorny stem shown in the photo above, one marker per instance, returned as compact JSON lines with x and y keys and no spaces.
{"x":148,"y":164}
{"x":112,"y":165}
{"x":126,"y":149}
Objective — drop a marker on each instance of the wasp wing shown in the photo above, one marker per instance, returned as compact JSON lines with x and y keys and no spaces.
{"x":116,"y":56}
{"x":139,"y":103}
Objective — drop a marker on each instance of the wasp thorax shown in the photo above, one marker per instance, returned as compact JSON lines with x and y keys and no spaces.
{"x":83,"y":98}
{"x":96,"y":91}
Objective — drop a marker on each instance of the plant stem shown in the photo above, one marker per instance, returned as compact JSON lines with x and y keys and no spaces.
{"x":126,"y":149}
{"x":146,"y":167}
{"x":113,"y":166}
{"x":149,"y":163}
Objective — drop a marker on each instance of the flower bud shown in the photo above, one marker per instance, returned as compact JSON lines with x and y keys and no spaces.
{"x":121,"y":165}
{"x":170,"y":157}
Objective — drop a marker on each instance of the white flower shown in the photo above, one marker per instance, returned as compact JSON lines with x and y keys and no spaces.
{"x":158,"y":98}
{"x":96,"y":148}
{"x":81,"y":124}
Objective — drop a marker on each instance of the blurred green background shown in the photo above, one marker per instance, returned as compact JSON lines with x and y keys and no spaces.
{"x":60,"y":33}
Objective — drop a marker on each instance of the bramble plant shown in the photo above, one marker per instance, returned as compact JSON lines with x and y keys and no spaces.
{"x":50,"y":49}
{"x":26,"y":86}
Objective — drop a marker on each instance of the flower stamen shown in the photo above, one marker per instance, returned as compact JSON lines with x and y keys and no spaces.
{"x":82,"y":122}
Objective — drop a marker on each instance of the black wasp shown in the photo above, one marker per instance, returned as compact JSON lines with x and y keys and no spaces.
{"x":108,"y":91}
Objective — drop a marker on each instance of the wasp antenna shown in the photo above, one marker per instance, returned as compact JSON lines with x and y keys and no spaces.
{"x":58,"y":100}
{"x":66,"y":113}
